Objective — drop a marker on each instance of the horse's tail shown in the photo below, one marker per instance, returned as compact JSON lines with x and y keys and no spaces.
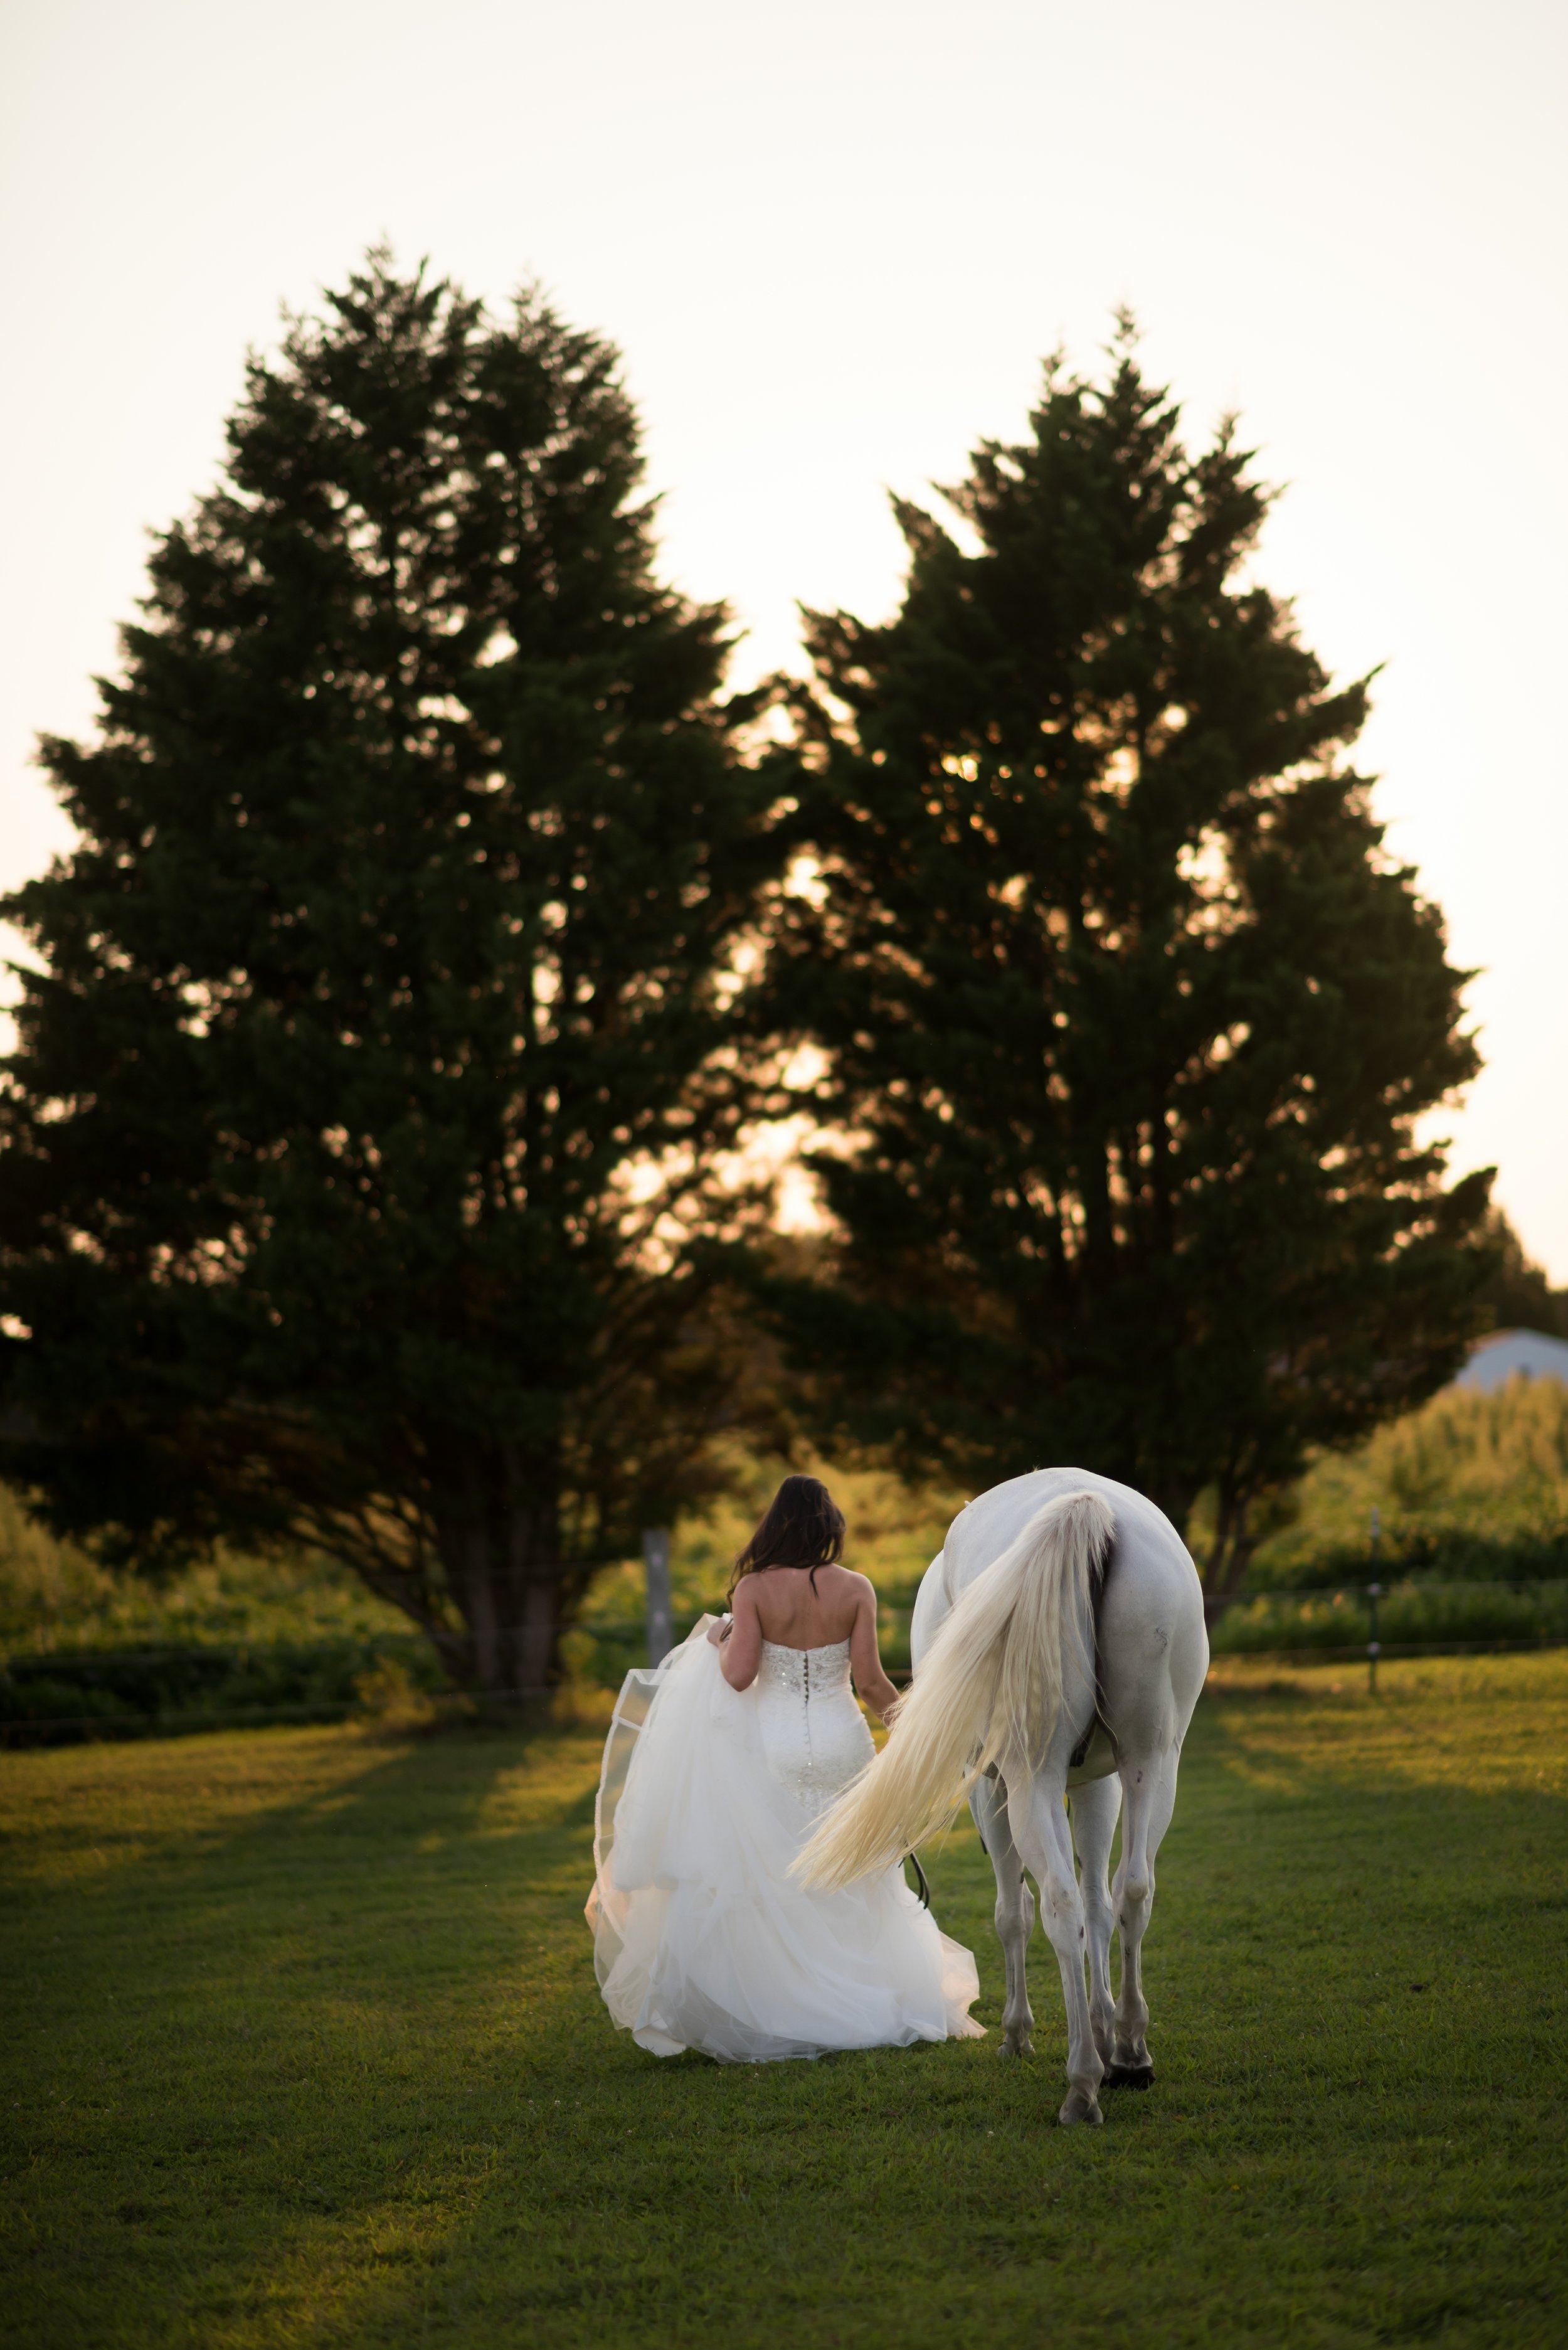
{"x":990,"y":1691}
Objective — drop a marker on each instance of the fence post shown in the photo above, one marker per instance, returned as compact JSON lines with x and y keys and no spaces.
{"x":656,"y":1565}
{"x":1373,"y":1592}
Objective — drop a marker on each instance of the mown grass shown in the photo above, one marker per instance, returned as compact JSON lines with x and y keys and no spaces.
{"x":302,"y":2046}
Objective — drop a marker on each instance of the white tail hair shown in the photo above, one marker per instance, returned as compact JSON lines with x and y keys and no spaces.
{"x":990,"y":1691}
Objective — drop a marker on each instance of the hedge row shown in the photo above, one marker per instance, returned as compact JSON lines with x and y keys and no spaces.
{"x":182,"y":1687}
{"x":168,"y":1689}
{"x":1410,"y":1615}
{"x":1450,"y":1555}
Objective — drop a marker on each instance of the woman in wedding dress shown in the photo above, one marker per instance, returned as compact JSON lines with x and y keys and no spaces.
{"x":717,"y":1766}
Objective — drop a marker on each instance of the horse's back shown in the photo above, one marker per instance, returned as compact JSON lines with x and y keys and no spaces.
{"x":1152,"y":1609}
{"x":984,"y":1528}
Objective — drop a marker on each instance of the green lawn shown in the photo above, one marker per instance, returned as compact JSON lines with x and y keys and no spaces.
{"x":302,"y":2046}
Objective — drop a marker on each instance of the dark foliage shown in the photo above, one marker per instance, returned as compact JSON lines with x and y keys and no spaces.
{"x":1446,"y":1555}
{"x":1518,"y":1295}
{"x":1130,"y":1013}
{"x":62,"y":1696}
{"x":415,"y":849}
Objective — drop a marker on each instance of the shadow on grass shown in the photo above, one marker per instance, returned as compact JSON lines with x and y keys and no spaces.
{"x":261,"y":2060}
{"x":1340,"y":2146}
{"x":338,"y":2071}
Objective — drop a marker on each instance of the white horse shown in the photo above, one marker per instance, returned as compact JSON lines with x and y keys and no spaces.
{"x":1059,"y":1646}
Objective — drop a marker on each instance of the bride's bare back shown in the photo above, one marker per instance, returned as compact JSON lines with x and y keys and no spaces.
{"x":793,"y":1615}
{"x":778,"y":1603}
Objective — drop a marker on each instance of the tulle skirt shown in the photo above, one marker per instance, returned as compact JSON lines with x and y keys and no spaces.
{"x":702,"y":1937}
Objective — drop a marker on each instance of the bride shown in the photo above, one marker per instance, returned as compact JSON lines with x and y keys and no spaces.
{"x":717,"y":1766}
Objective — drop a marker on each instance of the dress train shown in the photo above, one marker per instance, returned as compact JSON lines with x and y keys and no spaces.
{"x":702,"y":1937}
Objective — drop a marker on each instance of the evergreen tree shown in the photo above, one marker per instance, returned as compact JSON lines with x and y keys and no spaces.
{"x":1519,"y":1296}
{"x":395,"y":963}
{"x":1127,"y":1016}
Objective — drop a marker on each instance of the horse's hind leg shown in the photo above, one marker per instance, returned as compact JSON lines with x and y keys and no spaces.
{"x":1014,"y":1912}
{"x":1150,"y":1788}
{"x":1095,"y":1808}
{"x":1040,"y":1826}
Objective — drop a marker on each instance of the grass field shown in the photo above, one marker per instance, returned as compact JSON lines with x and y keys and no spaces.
{"x":301,"y":2045}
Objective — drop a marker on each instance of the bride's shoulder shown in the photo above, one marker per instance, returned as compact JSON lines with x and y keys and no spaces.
{"x":847,"y":1581}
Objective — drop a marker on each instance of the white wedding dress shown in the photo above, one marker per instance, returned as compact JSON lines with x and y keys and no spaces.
{"x":702,"y":1937}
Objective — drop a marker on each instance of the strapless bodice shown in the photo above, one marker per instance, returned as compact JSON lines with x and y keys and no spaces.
{"x":813,"y":1733}
{"x":807,"y":1672}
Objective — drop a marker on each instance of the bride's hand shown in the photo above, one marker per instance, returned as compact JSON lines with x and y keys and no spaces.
{"x":719,"y":1632}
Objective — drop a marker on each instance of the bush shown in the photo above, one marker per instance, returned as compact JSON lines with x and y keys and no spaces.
{"x":1427,"y":1554}
{"x":170,"y":1687}
{"x":1472,"y":1487}
{"x":1410,"y":1615}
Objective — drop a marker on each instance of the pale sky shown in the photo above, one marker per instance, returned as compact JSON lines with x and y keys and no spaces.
{"x":834,"y":242}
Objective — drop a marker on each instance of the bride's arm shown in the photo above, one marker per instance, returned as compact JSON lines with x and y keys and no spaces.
{"x":741,"y":1653}
{"x":865,"y":1660}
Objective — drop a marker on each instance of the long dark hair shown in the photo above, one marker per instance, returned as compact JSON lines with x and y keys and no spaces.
{"x":802,"y":1526}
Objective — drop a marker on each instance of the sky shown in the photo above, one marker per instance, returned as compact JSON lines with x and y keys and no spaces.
{"x":833,"y":243}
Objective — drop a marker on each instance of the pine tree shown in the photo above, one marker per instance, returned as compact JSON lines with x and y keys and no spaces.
{"x":1128,"y":1018}
{"x":394,"y":965}
{"x":1520,"y":1296}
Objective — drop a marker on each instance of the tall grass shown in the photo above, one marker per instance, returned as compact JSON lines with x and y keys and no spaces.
{"x":54,"y":1597}
{"x":243,"y":1637}
{"x":1472,"y":1487}
{"x":1472,"y":1490}
{"x":231,"y":1639}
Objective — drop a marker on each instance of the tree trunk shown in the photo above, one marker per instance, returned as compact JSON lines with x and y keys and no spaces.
{"x":1231,"y":1555}
{"x":535,"y":1581}
{"x":499,"y":1542}
{"x":1214,"y":1564}
{"x":1176,"y":1501}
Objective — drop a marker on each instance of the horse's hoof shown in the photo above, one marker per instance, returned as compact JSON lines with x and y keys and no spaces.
{"x":1017,"y":2045}
{"x":1081,"y":2106}
{"x":1128,"y":2076}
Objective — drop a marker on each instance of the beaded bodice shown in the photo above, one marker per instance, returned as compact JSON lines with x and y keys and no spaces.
{"x":813,"y":1734}
{"x":808,"y":1672}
